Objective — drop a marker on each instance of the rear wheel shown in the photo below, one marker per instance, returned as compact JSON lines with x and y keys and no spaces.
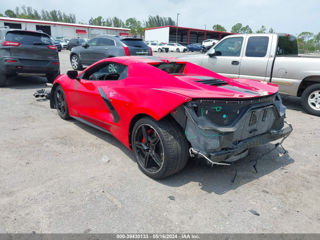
{"x":61,"y":103}
{"x":160,"y":148}
{"x":159,"y":50}
{"x":75,"y":62}
{"x":310,"y":99}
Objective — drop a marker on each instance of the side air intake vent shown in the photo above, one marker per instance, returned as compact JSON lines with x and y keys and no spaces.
{"x":213,"y":82}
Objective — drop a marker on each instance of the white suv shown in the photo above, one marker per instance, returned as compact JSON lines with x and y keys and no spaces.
{"x":176,"y":47}
{"x":209,"y":42}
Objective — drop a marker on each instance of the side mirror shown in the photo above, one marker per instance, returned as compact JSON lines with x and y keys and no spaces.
{"x":212,"y":52}
{"x":85,"y":45}
{"x":72,"y":74}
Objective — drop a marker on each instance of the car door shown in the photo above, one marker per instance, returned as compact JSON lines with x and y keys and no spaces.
{"x":227,"y":56}
{"x":91,"y":98}
{"x":88,"y":51}
{"x":255,"y":61}
{"x":106,"y":47}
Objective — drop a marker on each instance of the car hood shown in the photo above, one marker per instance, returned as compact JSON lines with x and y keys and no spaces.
{"x":205,"y":87}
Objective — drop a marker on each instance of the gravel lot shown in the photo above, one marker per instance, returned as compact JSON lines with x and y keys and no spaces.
{"x":62,"y":176}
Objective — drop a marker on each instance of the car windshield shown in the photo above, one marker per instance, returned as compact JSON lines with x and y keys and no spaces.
{"x":28,"y":38}
{"x":171,"y":68}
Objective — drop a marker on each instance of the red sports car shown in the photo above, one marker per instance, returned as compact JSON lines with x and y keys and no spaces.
{"x":166,"y":109}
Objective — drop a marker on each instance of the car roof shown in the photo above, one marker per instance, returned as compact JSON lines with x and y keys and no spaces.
{"x":114,"y":37}
{"x":21,"y":30}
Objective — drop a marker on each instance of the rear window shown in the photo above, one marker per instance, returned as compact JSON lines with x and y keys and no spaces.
{"x":134,"y":43}
{"x":287,"y":45}
{"x":171,"y":68}
{"x":257,"y":46}
{"x":28,"y":38}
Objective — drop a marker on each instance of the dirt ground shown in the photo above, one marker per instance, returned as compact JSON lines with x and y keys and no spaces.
{"x":62,"y":176}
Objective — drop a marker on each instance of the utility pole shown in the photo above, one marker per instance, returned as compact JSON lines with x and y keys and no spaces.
{"x":177,"y":27}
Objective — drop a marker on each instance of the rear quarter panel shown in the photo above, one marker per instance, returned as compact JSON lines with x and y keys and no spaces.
{"x":288,"y":72}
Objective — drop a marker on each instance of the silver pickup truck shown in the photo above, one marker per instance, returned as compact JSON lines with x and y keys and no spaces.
{"x":268,"y":57}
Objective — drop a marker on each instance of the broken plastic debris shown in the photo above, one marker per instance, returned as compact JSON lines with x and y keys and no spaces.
{"x":254,"y":212}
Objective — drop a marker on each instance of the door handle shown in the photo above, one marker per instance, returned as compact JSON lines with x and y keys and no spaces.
{"x":235,"y":62}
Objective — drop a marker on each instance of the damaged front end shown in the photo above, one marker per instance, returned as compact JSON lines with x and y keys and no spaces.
{"x":222,"y":130}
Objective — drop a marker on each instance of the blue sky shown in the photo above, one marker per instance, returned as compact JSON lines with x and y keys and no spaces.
{"x":293,"y":16}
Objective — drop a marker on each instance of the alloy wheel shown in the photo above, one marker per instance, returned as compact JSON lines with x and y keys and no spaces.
{"x":149,"y":148}
{"x":314,"y":100}
{"x":60,"y":102}
{"x":74,"y":62}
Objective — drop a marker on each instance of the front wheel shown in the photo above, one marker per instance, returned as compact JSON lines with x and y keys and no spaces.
{"x":160,"y":148}
{"x":310,"y":99}
{"x":61,"y":103}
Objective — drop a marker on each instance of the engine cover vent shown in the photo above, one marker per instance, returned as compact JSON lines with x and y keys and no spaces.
{"x":213,"y":82}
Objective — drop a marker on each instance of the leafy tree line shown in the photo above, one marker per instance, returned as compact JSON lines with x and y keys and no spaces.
{"x":136,"y":27}
{"x":30,"y":13}
{"x":308,"y":42}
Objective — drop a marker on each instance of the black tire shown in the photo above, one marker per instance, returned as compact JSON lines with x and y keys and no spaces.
{"x":178,"y":50}
{"x":51,"y":77}
{"x":3,"y":80}
{"x":159,"y":50}
{"x":310,"y":99}
{"x":160,"y":148}
{"x":75,"y":62}
{"x":61,"y":103}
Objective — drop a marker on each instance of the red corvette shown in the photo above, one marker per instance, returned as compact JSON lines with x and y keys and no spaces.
{"x":166,"y":109}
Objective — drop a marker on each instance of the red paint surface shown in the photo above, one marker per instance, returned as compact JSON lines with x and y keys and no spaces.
{"x":80,"y":31}
{"x":148,"y":90}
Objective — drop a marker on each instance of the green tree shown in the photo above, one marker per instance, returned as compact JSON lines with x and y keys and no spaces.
{"x":117,"y":22}
{"x":134,"y":25}
{"x":9,"y":13}
{"x":218,"y":27}
{"x":236,"y":28}
{"x":246,"y":29}
{"x":98,"y":21}
{"x":262,"y":29}
{"x":271,"y":30}
{"x":305,"y":36}
{"x":30,"y":13}
{"x":157,"y":21}
{"x":306,"y":42}
{"x":108,"y":22}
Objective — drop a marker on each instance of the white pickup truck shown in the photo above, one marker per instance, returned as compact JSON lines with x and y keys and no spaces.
{"x":268,"y":57}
